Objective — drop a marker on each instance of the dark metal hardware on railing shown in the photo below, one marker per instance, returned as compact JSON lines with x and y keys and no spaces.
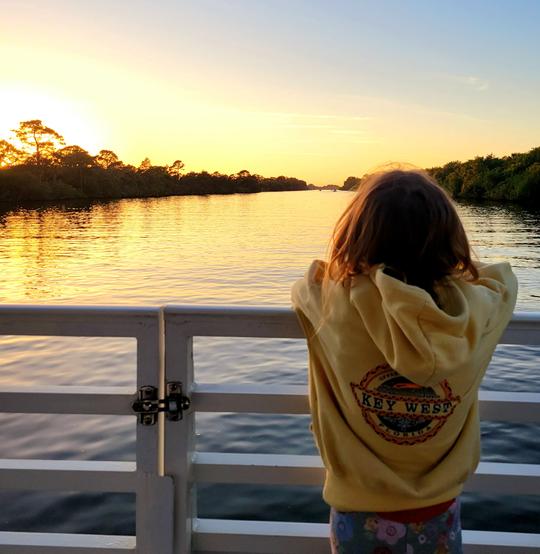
{"x":148,"y":405}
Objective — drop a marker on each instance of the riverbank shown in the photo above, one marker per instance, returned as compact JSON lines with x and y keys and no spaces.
{"x":26,"y":183}
{"x":514,"y":178}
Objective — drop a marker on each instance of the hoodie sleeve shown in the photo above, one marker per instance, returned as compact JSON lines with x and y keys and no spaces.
{"x":502,"y":284}
{"x":427,"y":344}
{"x":482,"y":311}
{"x":305,"y":293}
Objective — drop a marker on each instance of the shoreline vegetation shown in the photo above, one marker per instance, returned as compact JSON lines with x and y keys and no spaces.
{"x":36,"y":165}
{"x":513,"y":178}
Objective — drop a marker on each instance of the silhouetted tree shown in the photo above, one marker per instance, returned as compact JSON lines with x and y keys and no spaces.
{"x":107,"y":159}
{"x":175,"y":169}
{"x":145,"y":165}
{"x":351,"y":183}
{"x":9,"y":154}
{"x":40,"y":141}
{"x":73,"y":156}
{"x":76,"y":159}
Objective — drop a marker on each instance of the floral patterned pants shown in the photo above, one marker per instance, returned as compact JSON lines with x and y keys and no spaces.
{"x":369,"y":533}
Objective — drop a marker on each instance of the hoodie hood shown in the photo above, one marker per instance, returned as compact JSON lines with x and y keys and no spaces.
{"x":423,"y":341}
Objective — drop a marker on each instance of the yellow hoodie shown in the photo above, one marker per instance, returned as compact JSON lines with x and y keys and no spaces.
{"x":393,"y":382}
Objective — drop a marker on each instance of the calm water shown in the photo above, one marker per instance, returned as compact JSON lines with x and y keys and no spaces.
{"x":240,"y":249}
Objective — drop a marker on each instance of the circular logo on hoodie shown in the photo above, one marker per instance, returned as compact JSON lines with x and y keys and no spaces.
{"x":401,"y":411}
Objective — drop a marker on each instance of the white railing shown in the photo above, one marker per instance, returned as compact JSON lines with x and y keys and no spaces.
{"x":167,"y":465}
{"x":144,"y":477}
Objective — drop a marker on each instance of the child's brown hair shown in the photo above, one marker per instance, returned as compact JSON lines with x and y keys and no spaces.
{"x":404,"y":220}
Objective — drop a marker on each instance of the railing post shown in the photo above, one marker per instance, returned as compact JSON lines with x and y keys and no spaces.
{"x":180,"y":435}
{"x":154,"y":503}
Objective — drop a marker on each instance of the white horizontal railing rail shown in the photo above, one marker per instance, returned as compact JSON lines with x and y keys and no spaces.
{"x":167,"y":467}
{"x":515,"y":407}
{"x":68,"y":475}
{"x":272,"y":322}
{"x":286,"y":469}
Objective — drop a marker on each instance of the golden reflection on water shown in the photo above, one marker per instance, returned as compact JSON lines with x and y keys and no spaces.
{"x":215,"y":249}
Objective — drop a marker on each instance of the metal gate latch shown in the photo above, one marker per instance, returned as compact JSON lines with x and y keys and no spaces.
{"x":148,"y":405}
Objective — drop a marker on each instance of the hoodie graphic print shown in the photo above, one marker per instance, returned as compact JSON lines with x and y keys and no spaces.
{"x":401,"y":411}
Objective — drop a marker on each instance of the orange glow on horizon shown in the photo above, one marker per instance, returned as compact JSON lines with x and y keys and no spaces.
{"x":321,"y":148}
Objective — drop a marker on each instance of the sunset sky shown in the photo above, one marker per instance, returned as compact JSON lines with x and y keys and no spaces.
{"x":319,"y":90}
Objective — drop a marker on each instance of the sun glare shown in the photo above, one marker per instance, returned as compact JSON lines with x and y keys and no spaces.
{"x":71,"y":119}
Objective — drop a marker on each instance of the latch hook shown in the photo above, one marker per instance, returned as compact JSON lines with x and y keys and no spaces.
{"x":148,"y":405}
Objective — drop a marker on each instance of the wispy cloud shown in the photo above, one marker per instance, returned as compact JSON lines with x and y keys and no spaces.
{"x":359,"y":134}
{"x":307,"y":126}
{"x":348,"y":132}
{"x":475,"y":83}
{"x":315,"y":116}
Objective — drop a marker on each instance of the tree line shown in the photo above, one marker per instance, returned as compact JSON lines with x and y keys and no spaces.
{"x":514,"y":178}
{"x":38,"y":165}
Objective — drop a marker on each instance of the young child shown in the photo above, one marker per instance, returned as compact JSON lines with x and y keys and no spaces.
{"x":401,"y":326}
